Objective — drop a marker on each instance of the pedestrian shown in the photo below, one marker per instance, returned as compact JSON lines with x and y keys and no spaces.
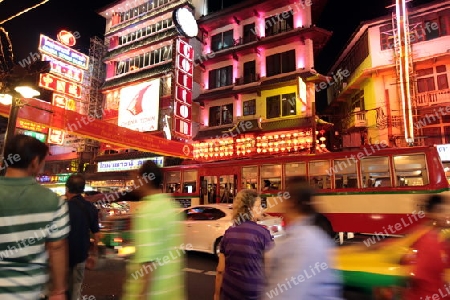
{"x":34,"y":225}
{"x":83,"y":223}
{"x":154,"y":272}
{"x":300,"y":264}
{"x":240,"y":271}
{"x":432,"y":255}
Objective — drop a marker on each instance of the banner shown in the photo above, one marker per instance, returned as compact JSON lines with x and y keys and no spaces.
{"x":45,"y":114}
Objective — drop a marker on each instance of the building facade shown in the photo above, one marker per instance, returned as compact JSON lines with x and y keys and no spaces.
{"x":370,"y":106}
{"x":255,"y":71}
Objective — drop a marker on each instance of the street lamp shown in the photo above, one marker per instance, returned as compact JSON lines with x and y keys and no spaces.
{"x":16,"y":103}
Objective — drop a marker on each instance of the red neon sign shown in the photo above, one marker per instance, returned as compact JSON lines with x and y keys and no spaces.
{"x":67,"y":38}
{"x":53,"y":83}
{"x":64,"y":70}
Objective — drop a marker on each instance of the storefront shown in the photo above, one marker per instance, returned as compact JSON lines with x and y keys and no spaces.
{"x":444,"y":153}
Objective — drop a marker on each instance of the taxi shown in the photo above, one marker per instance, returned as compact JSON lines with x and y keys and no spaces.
{"x":380,"y":265}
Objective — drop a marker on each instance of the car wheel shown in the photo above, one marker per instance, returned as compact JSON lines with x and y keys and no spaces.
{"x":217,"y":246}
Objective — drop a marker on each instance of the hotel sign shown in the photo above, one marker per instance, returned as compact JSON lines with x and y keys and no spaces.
{"x":127,"y":165}
{"x":183,"y":89}
{"x":62,"y":52}
{"x":64,"y":70}
{"x":53,"y":83}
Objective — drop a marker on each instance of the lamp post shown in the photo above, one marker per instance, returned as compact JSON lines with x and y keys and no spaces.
{"x":16,"y":103}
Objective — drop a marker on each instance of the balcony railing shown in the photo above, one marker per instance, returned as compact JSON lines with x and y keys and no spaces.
{"x":247,"y":79}
{"x":433,"y":97}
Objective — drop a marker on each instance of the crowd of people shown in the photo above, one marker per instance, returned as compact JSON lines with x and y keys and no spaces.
{"x":45,"y":242}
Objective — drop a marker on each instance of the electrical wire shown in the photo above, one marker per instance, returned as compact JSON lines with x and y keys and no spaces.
{"x":23,"y":11}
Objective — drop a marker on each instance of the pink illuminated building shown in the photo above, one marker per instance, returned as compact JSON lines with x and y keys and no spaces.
{"x":257,"y":79}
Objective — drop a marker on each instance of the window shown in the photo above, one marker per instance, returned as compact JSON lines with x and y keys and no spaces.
{"x":270,"y":177}
{"x":250,"y":107}
{"x":425,"y":80}
{"x":250,"y":72}
{"x":189,"y":181}
{"x":281,"y":106}
{"x":432,"y":135}
{"x":319,"y":177}
{"x":249,"y":33}
{"x":447,"y":134}
{"x":144,"y":60}
{"x":222,"y":40}
{"x":375,"y":172}
{"x":345,"y":176}
{"x":173,"y":182}
{"x":294,"y":169}
{"x":221,"y":115}
{"x":431,"y":29}
{"x":279,"y":23}
{"x":442,"y":81}
{"x":141,"y":9}
{"x":411,"y":170}
{"x":221,"y":77}
{"x":250,"y":178}
{"x":280,"y":63}
{"x":227,"y":188}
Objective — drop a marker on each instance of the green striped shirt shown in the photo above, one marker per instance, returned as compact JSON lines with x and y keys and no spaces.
{"x":157,"y":232}
{"x":30,"y":216}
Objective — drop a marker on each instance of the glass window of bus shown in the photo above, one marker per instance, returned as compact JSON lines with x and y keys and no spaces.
{"x":375,"y":172}
{"x":270,"y":177}
{"x":294,"y":169}
{"x":344,"y":171}
{"x":411,"y":170}
{"x":189,"y":181}
{"x":250,"y":178}
{"x":227,"y":188}
{"x":173,"y":182}
{"x":447,"y":170}
{"x":319,"y":174}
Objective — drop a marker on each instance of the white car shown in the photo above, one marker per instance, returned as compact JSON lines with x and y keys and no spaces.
{"x":205,"y":226}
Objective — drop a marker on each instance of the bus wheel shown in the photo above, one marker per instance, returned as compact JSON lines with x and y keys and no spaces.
{"x":322,"y":222}
{"x":217,"y":247}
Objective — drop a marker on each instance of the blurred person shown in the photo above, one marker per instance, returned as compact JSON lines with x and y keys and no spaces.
{"x":432,"y":255}
{"x":34,"y":225}
{"x":299,"y":266}
{"x":240,"y":271}
{"x":83,"y":221}
{"x":155,"y":270}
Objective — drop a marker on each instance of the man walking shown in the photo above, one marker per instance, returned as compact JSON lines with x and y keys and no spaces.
{"x":155,"y":271}
{"x":83,"y":220}
{"x":32,"y":219}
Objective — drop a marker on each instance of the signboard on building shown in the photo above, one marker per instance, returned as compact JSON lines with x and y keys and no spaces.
{"x":444,"y":151}
{"x":58,"y":178}
{"x":184,"y":67}
{"x":64,"y":70}
{"x":139,"y":106}
{"x":31,"y":126}
{"x":64,"y":102}
{"x":55,"y":136}
{"x":53,"y":83}
{"x":63,"y":53}
{"x":37,"y":135}
{"x":127,"y":165}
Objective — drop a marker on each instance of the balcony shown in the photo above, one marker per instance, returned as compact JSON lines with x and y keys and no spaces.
{"x":356,"y":120}
{"x":247,"y":79}
{"x":433,"y":97}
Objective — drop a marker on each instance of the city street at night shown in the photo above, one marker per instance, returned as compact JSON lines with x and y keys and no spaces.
{"x":106,"y":282}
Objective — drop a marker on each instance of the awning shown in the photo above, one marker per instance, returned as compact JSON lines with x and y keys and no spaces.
{"x":59,"y":157}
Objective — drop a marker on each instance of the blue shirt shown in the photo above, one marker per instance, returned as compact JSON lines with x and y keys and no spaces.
{"x":244,"y":246}
{"x":300,"y":266}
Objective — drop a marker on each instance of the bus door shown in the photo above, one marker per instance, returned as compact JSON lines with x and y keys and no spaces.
{"x":208,"y":192}
{"x":227,"y":188}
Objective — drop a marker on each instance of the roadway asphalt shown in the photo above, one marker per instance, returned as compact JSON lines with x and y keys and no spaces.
{"x":105,"y":283}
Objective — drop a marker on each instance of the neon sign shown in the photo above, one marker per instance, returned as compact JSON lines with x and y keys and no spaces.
{"x":67,"y":38}
{"x":53,"y":83}
{"x":64,"y":70}
{"x":62,"y":52}
{"x":126,"y":165}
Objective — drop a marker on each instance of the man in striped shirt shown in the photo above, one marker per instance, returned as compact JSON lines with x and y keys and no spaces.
{"x":32,"y":219}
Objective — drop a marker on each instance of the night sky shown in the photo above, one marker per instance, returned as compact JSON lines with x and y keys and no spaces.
{"x":340,"y":17}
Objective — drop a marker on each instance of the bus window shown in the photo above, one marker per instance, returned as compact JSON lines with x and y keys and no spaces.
{"x":189,"y":181}
{"x":344,"y":171}
{"x":226,"y":188}
{"x":319,"y":174}
{"x":375,"y":172}
{"x":209,"y":189}
{"x":173,"y":182}
{"x":271,"y":177}
{"x":447,"y":170}
{"x":411,"y":170}
{"x":294,"y":169}
{"x":250,"y":178}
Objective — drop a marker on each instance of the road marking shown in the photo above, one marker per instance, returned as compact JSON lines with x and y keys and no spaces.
{"x":212,"y":273}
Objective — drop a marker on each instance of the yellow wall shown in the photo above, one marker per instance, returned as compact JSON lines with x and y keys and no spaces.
{"x":261,"y":101}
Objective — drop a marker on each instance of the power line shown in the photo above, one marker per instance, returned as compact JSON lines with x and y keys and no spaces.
{"x":23,"y":11}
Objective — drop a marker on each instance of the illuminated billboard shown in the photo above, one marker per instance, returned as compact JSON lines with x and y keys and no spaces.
{"x":139,"y":106}
{"x":67,"y":71}
{"x":53,"y":83}
{"x":62,"y":52}
{"x":55,"y":137}
{"x":64,"y":102}
{"x":127,"y":165}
